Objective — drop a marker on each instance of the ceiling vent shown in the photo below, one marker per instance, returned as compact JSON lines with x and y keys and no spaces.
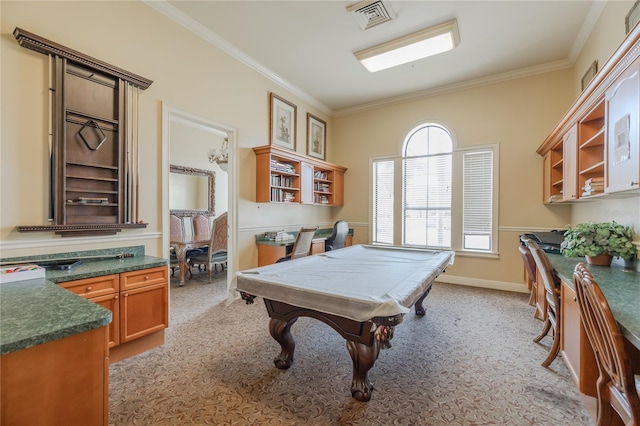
{"x":368,"y":14}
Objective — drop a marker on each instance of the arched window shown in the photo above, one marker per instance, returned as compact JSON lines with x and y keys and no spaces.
{"x":427,"y":167}
{"x":436,"y":195}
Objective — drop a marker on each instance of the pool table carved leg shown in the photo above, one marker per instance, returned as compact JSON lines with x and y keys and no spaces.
{"x":420,"y":311}
{"x":363,"y":357}
{"x":281,"y":331}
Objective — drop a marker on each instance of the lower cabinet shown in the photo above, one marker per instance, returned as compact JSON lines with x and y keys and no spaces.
{"x":62,"y":382}
{"x":139,"y":302}
{"x":574,"y":343}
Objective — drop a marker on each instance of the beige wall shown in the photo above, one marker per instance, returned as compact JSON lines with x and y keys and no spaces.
{"x":190,"y":74}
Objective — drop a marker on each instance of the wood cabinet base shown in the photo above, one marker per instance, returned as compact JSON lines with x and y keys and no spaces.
{"x":63,"y":382}
{"x":135,"y":347}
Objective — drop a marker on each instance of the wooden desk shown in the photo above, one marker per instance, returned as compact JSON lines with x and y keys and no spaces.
{"x":270,"y":251}
{"x":622,"y":289}
{"x":181,"y":245}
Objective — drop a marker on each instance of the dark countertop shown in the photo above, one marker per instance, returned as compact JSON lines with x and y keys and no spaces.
{"x":96,"y":268}
{"x":620,"y":286}
{"x":38,"y":311}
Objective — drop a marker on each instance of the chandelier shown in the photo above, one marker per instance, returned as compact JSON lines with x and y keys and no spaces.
{"x":220,"y":156}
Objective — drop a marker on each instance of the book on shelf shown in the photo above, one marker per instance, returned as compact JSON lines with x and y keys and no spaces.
{"x":282,"y":167}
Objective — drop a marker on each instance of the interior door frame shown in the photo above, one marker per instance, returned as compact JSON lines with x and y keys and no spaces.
{"x":173,"y":113}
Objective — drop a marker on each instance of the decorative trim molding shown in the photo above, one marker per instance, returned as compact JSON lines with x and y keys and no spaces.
{"x":47,"y":47}
{"x":58,"y":242}
{"x":82,"y":230}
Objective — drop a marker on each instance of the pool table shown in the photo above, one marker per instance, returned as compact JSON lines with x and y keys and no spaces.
{"x":361,"y":291}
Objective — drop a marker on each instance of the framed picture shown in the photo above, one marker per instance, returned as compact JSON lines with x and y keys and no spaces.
{"x":316,"y":137}
{"x":283,"y":123}
{"x":588,"y":76}
{"x":632,"y":17}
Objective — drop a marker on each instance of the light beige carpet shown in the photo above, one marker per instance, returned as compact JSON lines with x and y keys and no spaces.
{"x":469,"y":361}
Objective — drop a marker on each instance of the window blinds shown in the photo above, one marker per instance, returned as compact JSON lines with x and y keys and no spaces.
{"x":383,"y":198}
{"x":477,"y":199}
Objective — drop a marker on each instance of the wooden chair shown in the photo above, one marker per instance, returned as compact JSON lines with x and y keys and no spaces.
{"x":338,"y":237}
{"x":530,"y":268}
{"x":617,"y":386}
{"x":302,"y":244}
{"x":552,"y":291}
{"x":217,"y":251}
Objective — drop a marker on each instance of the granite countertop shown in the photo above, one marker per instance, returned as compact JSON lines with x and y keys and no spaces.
{"x":620,"y":286}
{"x":38,"y":311}
{"x":96,"y":268}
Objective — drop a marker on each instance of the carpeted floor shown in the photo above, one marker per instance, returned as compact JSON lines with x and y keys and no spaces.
{"x":469,"y":361}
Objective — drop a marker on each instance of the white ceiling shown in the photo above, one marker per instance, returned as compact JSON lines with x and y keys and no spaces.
{"x":308,"y":46}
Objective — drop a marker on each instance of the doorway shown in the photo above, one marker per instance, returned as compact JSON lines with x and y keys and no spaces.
{"x":177,"y":121}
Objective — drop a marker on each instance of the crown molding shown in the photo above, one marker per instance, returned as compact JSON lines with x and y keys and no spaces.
{"x":209,"y":36}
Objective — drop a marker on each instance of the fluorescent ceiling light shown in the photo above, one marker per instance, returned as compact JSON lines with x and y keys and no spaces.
{"x":428,"y":42}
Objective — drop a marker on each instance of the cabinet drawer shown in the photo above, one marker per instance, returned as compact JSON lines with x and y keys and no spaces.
{"x":93,"y":287}
{"x":144,"y":277}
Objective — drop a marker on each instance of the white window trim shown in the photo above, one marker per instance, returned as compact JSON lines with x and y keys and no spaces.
{"x":456,"y":207}
{"x":457,"y":182}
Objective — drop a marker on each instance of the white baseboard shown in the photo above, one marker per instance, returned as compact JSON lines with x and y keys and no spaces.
{"x":474,"y":282}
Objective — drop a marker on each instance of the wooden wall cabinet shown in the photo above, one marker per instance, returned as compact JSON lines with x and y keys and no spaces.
{"x":94,"y":106}
{"x":288,"y":177}
{"x":623,"y":112}
{"x":595,"y":146}
{"x":569,"y":181}
{"x":138,"y":300}
{"x":591,"y":130}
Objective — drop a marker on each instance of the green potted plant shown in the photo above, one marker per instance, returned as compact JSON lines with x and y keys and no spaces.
{"x":599,"y":242}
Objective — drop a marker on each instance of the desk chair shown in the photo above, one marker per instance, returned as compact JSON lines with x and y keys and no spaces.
{"x":617,"y":386}
{"x":552,"y":291}
{"x":530,"y":267}
{"x":338,"y":237}
{"x":217,"y":251}
{"x":302,"y":244}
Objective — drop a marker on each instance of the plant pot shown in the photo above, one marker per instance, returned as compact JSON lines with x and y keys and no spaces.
{"x":603,"y":259}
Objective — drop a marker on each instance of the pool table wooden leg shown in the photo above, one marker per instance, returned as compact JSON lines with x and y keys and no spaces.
{"x":363,"y":357}
{"x":281,"y":331}
{"x":420,"y":311}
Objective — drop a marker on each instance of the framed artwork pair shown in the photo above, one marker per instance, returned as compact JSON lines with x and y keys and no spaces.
{"x":282,"y":128}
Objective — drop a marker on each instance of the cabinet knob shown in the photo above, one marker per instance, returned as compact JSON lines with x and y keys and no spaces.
{"x":125,"y":295}
{"x":115,"y":297}
{"x":146,"y":277}
{"x":89,"y":288}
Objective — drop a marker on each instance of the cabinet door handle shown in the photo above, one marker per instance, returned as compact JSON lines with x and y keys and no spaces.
{"x":634,"y":183}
